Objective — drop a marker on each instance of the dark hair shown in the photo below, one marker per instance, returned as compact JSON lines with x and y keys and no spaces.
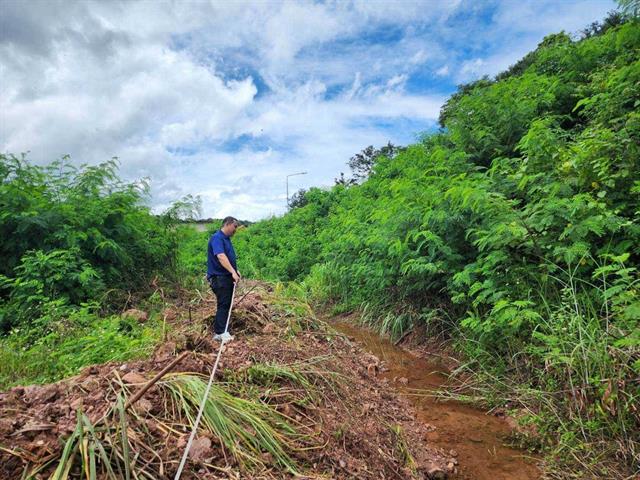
{"x":228,"y":220}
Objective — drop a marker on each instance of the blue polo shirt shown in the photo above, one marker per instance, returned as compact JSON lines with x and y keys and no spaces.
{"x":219,"y":243}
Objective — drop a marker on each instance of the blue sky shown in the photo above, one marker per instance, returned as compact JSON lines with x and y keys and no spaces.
{"x":224,"y":99}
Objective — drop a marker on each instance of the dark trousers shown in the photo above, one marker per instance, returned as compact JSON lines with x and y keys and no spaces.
{"x":222,"y":286}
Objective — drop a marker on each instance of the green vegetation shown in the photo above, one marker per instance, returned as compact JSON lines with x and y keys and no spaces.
{"x":307,"y":376}
{"x":78,"y":340}
{"x":246,"y":428}
{"x":71,"y":236}
{"x":96,"y":454}
{"x":520,"y":220}
{"x":78,"y":245}
{"x":514,"y":230}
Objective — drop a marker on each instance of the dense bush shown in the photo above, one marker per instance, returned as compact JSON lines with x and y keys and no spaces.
{"x":282,"y":247}
{"x":78,"y":245}
{"x":71,"y":235}
{"x":522,"y":219}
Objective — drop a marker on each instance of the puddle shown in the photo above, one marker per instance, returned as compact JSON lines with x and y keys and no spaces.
{"x":478,"y":438}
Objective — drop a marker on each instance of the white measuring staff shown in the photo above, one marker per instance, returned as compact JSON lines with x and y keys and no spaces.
{"x":206,"y":394}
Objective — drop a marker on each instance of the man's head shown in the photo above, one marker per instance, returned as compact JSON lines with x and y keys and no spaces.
{"x":229,"y":226}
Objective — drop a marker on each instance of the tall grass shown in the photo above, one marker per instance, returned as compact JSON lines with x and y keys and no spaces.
{"x":387,"y":321}
{"x":93,"y":451}
{"x":309,"y":376}
{"x":291,"y":300}
{"x":247,"y":429}
{"x":71,"y":344}
{"x":578,"y":379}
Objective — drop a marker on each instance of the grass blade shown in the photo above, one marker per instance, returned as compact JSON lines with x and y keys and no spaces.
{"x":124,"y":438}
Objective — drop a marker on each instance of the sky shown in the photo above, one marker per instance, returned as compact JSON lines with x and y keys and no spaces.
{"x":224,"y":99}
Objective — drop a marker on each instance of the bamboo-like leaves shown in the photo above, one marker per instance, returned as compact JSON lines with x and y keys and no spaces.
{"x":246,"y":428}
{"x":86,"y":444}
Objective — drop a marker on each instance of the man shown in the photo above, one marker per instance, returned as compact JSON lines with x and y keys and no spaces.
{"x":222,"y":274}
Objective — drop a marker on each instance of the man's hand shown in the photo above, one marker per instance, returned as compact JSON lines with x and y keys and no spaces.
{"x":224,"y":261}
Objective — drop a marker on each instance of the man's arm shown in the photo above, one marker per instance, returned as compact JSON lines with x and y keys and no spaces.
{"x":224,"y":261}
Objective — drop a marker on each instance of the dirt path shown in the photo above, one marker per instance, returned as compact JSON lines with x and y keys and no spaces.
{"x":475,"y":436}
{"x":343,"y":421}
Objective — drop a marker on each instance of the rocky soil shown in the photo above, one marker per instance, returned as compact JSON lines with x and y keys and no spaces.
{"x":355,"y":427}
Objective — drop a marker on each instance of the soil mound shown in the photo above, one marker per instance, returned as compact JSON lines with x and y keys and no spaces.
{"x":331,"y":414}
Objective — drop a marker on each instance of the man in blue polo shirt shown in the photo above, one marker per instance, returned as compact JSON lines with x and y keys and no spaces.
{"x":222,"y":273}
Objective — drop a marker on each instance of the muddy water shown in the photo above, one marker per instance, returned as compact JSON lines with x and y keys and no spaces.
{"x":478,"y":438}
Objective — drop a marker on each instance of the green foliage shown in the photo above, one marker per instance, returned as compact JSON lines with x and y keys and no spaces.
{"x":70,"y":235}
{"x":187,"y":209}
{"x":246,"y":428}
{"x":521,"y":218}
{"x":192,"y":255}
{"x":362,"y":163}
{"x":76,"y":243}
{"x":284,"y":250}
{"x":81,"y":338}
{"x":46,"y":283}
{"x":298,"y":199}
{"x":488,"y":121}
{"x":87,"y":445}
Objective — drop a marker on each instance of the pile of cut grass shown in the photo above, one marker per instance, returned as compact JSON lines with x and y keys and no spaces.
{"x":246,"y":428}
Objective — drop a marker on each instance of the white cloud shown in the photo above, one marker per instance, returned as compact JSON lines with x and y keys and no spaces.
{"x":518,"y":27}
{"x":472,"y":69}
{"x":419,"y":57}
{"x":176,"y":89}
{"x":443,"y":71}
{"x":550,"y":16}
{"x":158,"y":96}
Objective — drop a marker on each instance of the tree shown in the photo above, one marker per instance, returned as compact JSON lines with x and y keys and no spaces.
{"x":344,"y":181}
{"x":464,"y":90}
{"x":188,"y":208}
{"x":614,"y":19}
{"x":298,"y":199}
{"x":362,"y":163}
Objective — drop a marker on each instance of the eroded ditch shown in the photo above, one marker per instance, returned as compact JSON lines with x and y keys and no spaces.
{"x":478,"y":438}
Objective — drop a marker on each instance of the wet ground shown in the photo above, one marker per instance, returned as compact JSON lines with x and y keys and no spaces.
{"x":478,"y":438}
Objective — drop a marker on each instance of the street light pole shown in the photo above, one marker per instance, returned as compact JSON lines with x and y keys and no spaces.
{"x":291,"y":175}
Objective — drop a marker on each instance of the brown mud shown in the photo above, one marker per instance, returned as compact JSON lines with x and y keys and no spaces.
{"x":478,"y":438}
{"x":358,"y":429}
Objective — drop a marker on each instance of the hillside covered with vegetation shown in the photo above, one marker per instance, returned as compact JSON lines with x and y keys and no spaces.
{"x":514,"y":230}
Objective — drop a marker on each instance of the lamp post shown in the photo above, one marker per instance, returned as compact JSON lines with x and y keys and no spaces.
{"x":291,"y":175}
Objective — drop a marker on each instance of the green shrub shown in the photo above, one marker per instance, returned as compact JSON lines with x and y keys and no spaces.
{"x":71,"y":234}
{"x":520,"y":219}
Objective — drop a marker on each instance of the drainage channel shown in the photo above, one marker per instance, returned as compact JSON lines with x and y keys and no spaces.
{"x":478,"y":438}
